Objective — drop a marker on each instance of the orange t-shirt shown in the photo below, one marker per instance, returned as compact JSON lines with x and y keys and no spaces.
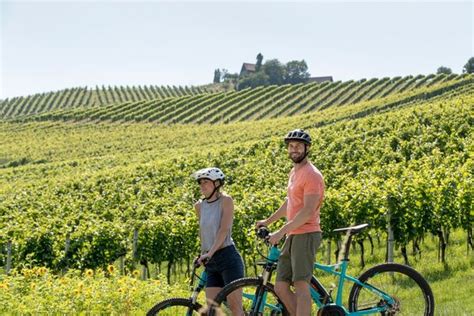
{"x":307,"y":180}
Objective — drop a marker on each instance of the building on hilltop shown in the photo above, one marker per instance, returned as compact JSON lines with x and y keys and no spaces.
{"x":320,"y":79}
{"x":247,"y":69}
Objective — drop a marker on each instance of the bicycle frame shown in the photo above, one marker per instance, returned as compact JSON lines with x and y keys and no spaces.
{"x":319,"y":294}
{"x":342,"y":277}
{"x":269,"y":266}
{"x":199,"y":287}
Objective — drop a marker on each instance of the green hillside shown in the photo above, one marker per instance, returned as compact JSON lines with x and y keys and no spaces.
{"x":84,"y":188}
{"x":84,"y":97}
{"x":96,"y":183}
{"x":233,"y":106}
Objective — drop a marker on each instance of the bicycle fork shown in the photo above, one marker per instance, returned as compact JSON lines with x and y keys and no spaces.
{"x":260,"y":297}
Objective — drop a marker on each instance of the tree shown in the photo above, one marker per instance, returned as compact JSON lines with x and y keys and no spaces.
{"x":217,"y":76}
{"x":258,"y":65}
{"x":275,"y":71}
{"x":444,"y":70}
{"x":469,"y":66}
{"x":253,"y":80}
{"x":296,"y":72}
{"x":228,"y":77}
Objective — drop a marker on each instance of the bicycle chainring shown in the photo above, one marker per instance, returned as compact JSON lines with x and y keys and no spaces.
{"x":331,"y":310}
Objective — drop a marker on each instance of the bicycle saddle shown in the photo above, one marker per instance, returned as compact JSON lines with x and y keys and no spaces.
{"x":352,"y":229}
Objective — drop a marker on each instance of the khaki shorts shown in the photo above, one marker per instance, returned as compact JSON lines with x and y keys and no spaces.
{"x":297,"y":257}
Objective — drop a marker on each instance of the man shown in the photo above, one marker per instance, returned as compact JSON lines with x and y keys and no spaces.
{"x":302,"y":209}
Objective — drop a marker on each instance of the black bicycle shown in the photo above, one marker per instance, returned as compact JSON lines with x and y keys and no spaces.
{"x":183,"y":306}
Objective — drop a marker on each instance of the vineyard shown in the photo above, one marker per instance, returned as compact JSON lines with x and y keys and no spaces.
{"x":84,"y":97}
{"x":86,"y":184}
{"x":187,"y":106}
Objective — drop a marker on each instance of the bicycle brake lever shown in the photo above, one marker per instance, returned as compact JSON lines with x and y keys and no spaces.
{"x":203,"y":263}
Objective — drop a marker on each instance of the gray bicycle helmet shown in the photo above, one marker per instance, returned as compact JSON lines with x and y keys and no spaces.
{"x":298,"y":135}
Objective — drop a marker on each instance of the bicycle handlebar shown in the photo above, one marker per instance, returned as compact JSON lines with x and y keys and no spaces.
{"x":263,"y":232}
{"x":197,"y":264}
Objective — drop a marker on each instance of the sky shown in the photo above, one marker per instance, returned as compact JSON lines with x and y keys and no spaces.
{"x":49,"y":46}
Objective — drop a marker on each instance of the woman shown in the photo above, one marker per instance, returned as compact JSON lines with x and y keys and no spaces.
{"x":222,"y":261}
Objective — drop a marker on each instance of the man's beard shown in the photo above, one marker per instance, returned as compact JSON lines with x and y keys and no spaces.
{"x":298,"y":158}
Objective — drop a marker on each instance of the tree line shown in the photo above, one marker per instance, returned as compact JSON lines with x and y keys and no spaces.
{"x":467,"y":69}
{"x":272,"y":72}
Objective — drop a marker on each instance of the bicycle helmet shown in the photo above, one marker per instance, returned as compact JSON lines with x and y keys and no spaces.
{"x":212,"y":174}
{"x":298,"y":135}
{"x":209,"y":173}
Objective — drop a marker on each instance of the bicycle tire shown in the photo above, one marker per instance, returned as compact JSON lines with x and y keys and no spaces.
{"x":175,"y":306}
{"x":251,"y":286}
{"x":411,"y":291}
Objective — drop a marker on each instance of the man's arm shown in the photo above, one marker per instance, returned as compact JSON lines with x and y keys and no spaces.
{"x":281,"y":212}
{"x":311,"y":202}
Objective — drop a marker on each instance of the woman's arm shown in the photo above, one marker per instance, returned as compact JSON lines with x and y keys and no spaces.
{"x":197,"y":209}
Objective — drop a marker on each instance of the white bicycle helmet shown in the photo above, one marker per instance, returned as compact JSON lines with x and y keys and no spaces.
{"x":209,"y":173}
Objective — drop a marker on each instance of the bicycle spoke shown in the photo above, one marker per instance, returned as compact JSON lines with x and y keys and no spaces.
{"x":408,"y":296}
{"x":254,"y":304}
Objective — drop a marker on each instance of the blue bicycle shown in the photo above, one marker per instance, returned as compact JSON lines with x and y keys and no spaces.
{"x":385,"y":289}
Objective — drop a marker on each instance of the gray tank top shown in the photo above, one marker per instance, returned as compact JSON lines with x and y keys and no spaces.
{"x":209,"y":223}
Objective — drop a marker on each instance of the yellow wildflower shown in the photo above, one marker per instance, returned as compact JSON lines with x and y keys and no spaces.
{"x":111,"y":269}
{"x":89,"y":273}
{"x":42,"y":271}
{"x":136,"y":273}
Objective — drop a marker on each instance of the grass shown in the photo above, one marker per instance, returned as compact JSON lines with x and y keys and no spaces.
{"x":452,"y":282}
{"x":36,"y":290}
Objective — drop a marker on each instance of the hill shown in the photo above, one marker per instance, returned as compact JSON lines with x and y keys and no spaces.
{"x":94,"y":185}
{"x":233,"y":106}
{"x":99,"y":96}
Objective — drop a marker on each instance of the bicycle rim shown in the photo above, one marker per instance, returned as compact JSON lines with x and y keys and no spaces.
{"x":411,"y":293}
{"x":175,"y":307}
{"x":257,"y":299}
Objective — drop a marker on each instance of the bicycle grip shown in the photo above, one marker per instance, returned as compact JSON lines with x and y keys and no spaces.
{"x":263,"y":232}
{"x":204,"y":262}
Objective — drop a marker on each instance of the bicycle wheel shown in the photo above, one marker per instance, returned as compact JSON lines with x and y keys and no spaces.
{"x":412,"y":294}
{"x":257,"y":299}
{"x":174,"y":307}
